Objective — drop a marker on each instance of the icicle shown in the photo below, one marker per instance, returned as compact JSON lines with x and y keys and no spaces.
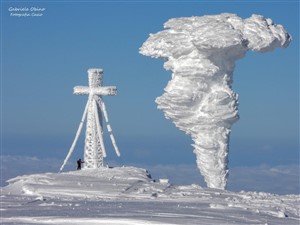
{"x":114,"y":144}
{"x":109,"y":129}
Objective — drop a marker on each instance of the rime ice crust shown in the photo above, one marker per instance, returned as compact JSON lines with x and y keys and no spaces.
{"x":201,"y":53}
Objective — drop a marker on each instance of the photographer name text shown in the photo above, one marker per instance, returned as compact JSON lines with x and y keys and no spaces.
{"x":26,"y":11}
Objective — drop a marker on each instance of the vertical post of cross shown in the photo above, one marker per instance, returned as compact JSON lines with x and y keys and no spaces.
{"x":93,"y":153}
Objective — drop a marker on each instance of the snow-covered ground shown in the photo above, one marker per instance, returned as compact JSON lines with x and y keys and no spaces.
{"x":128,"y":195}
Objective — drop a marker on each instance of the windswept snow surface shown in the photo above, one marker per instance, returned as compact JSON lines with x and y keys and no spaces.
{"x":201,"y":53}
{"x":127,"y":195}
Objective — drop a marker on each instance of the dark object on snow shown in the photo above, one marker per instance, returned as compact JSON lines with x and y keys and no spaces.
{"x":79,"y":162}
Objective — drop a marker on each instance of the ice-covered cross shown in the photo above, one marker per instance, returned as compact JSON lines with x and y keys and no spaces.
{"x":94,"y":150}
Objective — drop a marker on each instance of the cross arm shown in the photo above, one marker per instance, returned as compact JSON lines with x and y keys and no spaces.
{"x":84,"y":90}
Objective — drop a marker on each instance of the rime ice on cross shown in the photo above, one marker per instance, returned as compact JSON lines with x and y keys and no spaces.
{"x":94,"y":150}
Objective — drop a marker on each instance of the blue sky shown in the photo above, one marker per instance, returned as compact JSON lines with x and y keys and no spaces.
{"x":43,"y":58}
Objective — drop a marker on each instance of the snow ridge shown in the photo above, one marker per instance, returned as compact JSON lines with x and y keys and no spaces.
{"x":201,"y":53}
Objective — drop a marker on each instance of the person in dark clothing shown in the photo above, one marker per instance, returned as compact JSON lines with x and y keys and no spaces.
{"x":79,"y":162}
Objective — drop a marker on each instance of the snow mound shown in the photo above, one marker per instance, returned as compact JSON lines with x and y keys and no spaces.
{"x":201,"y":53}
{"x":87,"y":183}
{"x":128,"y":195}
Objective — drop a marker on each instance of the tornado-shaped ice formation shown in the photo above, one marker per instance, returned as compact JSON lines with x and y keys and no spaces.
{"x":201,"y":53}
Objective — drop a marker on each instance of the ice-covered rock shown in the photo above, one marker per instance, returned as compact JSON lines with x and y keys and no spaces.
{"x":201,"y":53}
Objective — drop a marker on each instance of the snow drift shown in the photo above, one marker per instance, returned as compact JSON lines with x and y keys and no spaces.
{"x":128,"y":195}
{"x":201,"y":53}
